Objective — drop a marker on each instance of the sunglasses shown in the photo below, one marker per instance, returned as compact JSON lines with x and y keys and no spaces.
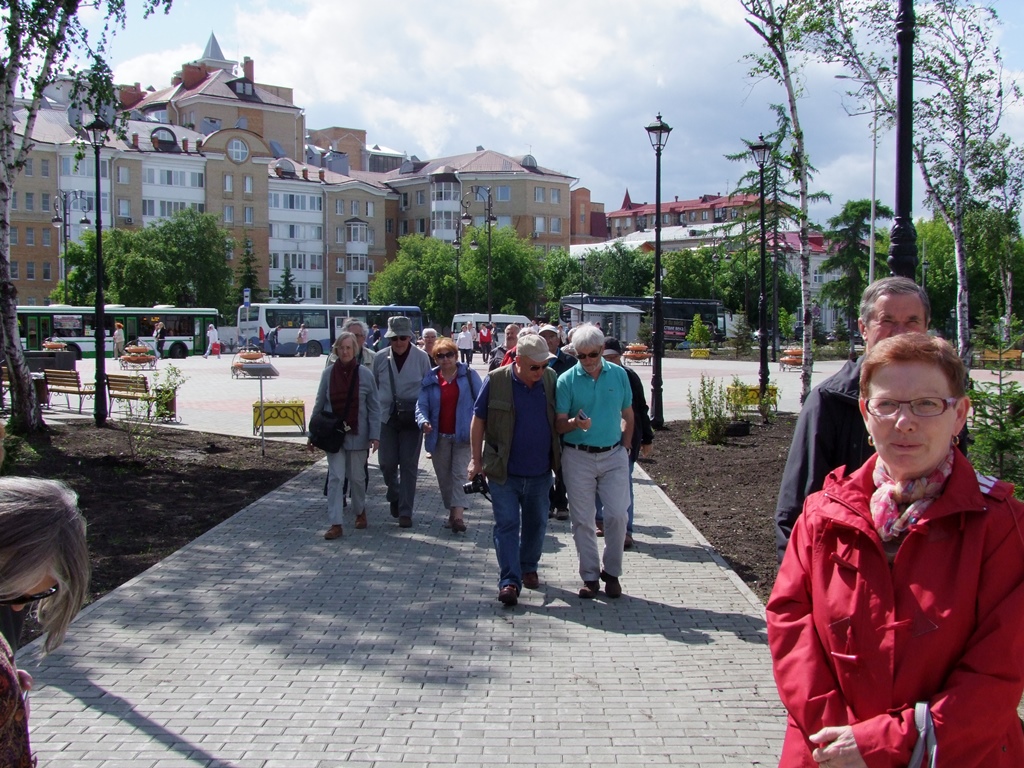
{"x":445,"y":355}
{"x":402,"y":338}
{"x":538,"y":367}
{"x":590,"y":355}
{"x":25,"y":599}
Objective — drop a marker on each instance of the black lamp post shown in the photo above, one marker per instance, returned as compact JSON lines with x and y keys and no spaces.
{"x":460,"y":226}
{"x":62,"y":222}
{"x":97,"y":136}
{"x":903,"y":238}
{"x":489,"y":220}
{"x":760,"y":152}
{"x":658,"y":132}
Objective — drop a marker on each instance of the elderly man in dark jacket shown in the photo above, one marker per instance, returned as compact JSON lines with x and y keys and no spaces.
{"x":830,"y":432}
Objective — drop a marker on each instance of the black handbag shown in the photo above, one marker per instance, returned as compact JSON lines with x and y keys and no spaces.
{"x":403,"y":412}
{"x":327,"y":431}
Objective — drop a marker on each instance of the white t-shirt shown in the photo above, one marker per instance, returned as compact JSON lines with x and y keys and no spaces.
{"x":212,"y":335}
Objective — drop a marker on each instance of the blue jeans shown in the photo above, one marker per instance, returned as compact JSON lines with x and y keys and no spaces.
{"x":600,"y":506}
{"x":520,"y":506}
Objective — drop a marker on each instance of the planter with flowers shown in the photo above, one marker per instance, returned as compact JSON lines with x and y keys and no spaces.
{"x":280,"y":412}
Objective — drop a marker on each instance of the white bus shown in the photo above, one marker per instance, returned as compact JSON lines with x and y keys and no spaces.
{"x":498,"y":319}
{"x":75,"y":326}
{"x":323,"y":321}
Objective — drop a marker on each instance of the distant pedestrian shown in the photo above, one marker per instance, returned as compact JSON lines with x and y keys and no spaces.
{"x":159,"y":335}
{"x":466,"y":343}
{"x":486,"y":339}
{"x":429,"y":340}
{"x":212,"y":342}
{"x":118,"y":340}
{"x":272,"y":341}
{"x":301,"y":340}
{"x":500,"y":351}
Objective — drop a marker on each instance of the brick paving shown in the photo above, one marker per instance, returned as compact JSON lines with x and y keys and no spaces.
{"x":261,"y":644}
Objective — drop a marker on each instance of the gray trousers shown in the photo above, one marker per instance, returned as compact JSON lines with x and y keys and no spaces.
{"x":450,"y":460}
{"x":341,"y":466}
{"x":587,"y":475}
{"x":399,"y":456}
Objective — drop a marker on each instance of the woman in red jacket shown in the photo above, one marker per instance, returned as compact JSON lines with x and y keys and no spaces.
{"x":896,"y":623}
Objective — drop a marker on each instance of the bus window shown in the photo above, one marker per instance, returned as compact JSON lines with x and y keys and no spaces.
{"x":314,"y":318}
{"x":286,"y":318}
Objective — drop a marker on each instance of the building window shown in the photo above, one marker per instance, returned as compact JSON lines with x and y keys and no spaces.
{"x":248,"y":214}
{"x":538,"y":224}
{"x":14,"y":200}
{"x":28,"y":171}
{"x":14,"y":237}
{"x":30,"y":270}
{"x":555,"y":196}
{"x":339,"y":295}
{"x":46,"y":238}
{"x":405,"y":200}
{"x":504,"y":193}
{"x":44,"y":204}
{"x":339,"y":235}
{"x":229,"y":182}
{"x":124,"y":207}
{"x":503,"y":221}
{"x":538,"y":194}
{"x":316,"y":292}
{"x":421,"y":226}
{"x":44,"y":168}
{"x":316,"y":262}
{"x":149,"y":208}
{"x":444,"y":190}
{"x":556,"y":225}
{"x":30,"y":235}
{"x":405,"y":226}
{"x":248,"y":185}
{"x":238,"y":151}
{"x":30,"y":201}
{"x":124,"y":174}
{"x":46,"y":271}
{"x":316,"y":203}
{"x":693,"y":215}
{"x":389,"y":226}
{"x":369,"y":209}
{"x":353,"y":208}
{"x":421,"y":197}
{"x":339,"y":265}
{"x":339,"y":207}
{"x":229,"y":214}
{"x":14,"y":267}
{"x":703,"y":215}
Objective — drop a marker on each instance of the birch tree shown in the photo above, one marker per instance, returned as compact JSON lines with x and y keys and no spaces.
{"x":43,"y":39}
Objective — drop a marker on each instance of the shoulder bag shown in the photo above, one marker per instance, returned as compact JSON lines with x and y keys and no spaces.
{"x":326,"y":430}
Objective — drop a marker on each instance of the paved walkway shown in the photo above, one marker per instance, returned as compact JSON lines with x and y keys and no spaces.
{"x":261,"y":644}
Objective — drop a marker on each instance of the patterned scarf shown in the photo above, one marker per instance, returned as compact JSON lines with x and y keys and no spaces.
{"x":345,"y":382}
{"x":895,"y":506}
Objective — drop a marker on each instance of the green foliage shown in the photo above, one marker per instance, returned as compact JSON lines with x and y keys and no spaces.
{"x":708,"y":411}
{"x":699,"y":335}
{"x":741,"y":340}
{"x":644,"y":333}
{"x":786,"y":321}
{"x":286,"y":291}
{"x":247,"y":276}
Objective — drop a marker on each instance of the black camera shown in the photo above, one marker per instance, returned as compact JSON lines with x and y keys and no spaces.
{"x":477,"y":485}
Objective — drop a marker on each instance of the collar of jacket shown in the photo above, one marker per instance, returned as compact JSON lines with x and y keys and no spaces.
{"x":851,"y":494}
{"x":845,"y":382}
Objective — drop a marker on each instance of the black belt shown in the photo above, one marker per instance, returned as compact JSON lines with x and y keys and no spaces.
{"x":591,"y":448}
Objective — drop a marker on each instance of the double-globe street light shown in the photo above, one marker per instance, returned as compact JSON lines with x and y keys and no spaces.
{"x":760,"y":151}
{"x":461,"y":224}
{"x":489,"y":220}
{"x":658,"y":132}
{"x":62,"y":222}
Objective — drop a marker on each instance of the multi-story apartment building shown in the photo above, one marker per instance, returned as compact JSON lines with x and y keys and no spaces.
{"x":704,"y":210}
{"x":588,"y":223}
{"x":330,"y":206}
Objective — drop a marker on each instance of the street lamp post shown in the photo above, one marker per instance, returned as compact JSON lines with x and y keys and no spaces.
{"x":658,"y":132}
{"x":489,"y":220}
{"x":461,"y":225}
{"x":97,"y":136}
{"x":62,"y":222}
{"x":903,"y":238}
{"x":760,"y":153}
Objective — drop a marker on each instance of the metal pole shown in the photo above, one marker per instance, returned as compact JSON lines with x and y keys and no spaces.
{"x":657,"y":402}
{"x":100,"y":331}
{"x":903,"y":240}
{"x":762,"y":304}
{"x":490,"y":204}
{"x":874,"y":175}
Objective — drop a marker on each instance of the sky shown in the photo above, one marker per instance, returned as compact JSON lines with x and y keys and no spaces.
{"x":572,"y":82}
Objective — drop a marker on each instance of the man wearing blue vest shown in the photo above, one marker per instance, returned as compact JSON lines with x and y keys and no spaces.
{"x":514,"y":418}
{"x":593,"y":402}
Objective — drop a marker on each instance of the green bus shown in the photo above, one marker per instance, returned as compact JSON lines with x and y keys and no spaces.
{"x":75,"y":326}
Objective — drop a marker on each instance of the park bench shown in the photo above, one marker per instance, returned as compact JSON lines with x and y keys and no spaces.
{"x":68,"y":383}
{"x":995,"y":358}
{"x":128,"y":388}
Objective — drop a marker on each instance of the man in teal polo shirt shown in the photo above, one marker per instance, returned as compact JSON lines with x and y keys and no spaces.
{"x":593,"y":400}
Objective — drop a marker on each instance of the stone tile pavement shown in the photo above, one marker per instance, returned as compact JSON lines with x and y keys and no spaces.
{"x":260,"y":644}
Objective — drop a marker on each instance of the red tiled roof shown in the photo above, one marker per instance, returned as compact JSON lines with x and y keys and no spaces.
{"x":709,"y":202}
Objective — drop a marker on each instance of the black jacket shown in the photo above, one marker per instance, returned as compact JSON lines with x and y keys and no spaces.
{"x":830,"y":433}
{"x":643,"y":434}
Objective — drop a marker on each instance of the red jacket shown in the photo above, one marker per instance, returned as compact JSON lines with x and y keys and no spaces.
{"x":856,"y":643}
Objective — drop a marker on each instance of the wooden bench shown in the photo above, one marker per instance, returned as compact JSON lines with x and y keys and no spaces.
{"x":68,"y":383}
{"x":995,"y":358}
{"x":125,"y":387}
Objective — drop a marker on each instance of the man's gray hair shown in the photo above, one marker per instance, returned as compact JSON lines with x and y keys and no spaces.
{"x":42,"y":534}
{"x":352,"y":322}
{"x":892,"y":286}
{"x":588,"y":336}
{"x":429,"y":333}
{"x":512,"y":326}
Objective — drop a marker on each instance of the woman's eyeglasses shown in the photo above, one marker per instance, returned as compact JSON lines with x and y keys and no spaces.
{"x":26,"y":599}
{"x":445,"y":355}
{"x":924,"y":407}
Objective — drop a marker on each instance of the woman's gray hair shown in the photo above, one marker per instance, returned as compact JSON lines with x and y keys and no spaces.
{"x":42,"y":534}
{"x":588,"y":336}
{"x":343,"y":336}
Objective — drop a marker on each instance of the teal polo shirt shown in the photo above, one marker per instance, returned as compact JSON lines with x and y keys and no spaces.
{"x":602,"y":399}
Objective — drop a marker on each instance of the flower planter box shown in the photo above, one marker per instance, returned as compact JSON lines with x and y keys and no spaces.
{"x":279,"y":415}
{"x":748,"y":396}
{"x":700,"y":354}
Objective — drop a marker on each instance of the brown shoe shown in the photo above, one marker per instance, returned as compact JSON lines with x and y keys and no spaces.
{"x":458,"y":525}
{"x":612,"y":588}
{"x":590,"y":590}
{"x":334,"y":532}
{"x":600,"y":528}
{"x":361,"y":520}
{"x":531,"y":580}
{"x":628,"y":542}
{"x":405,"y":522}
{"x":508,"y":595}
